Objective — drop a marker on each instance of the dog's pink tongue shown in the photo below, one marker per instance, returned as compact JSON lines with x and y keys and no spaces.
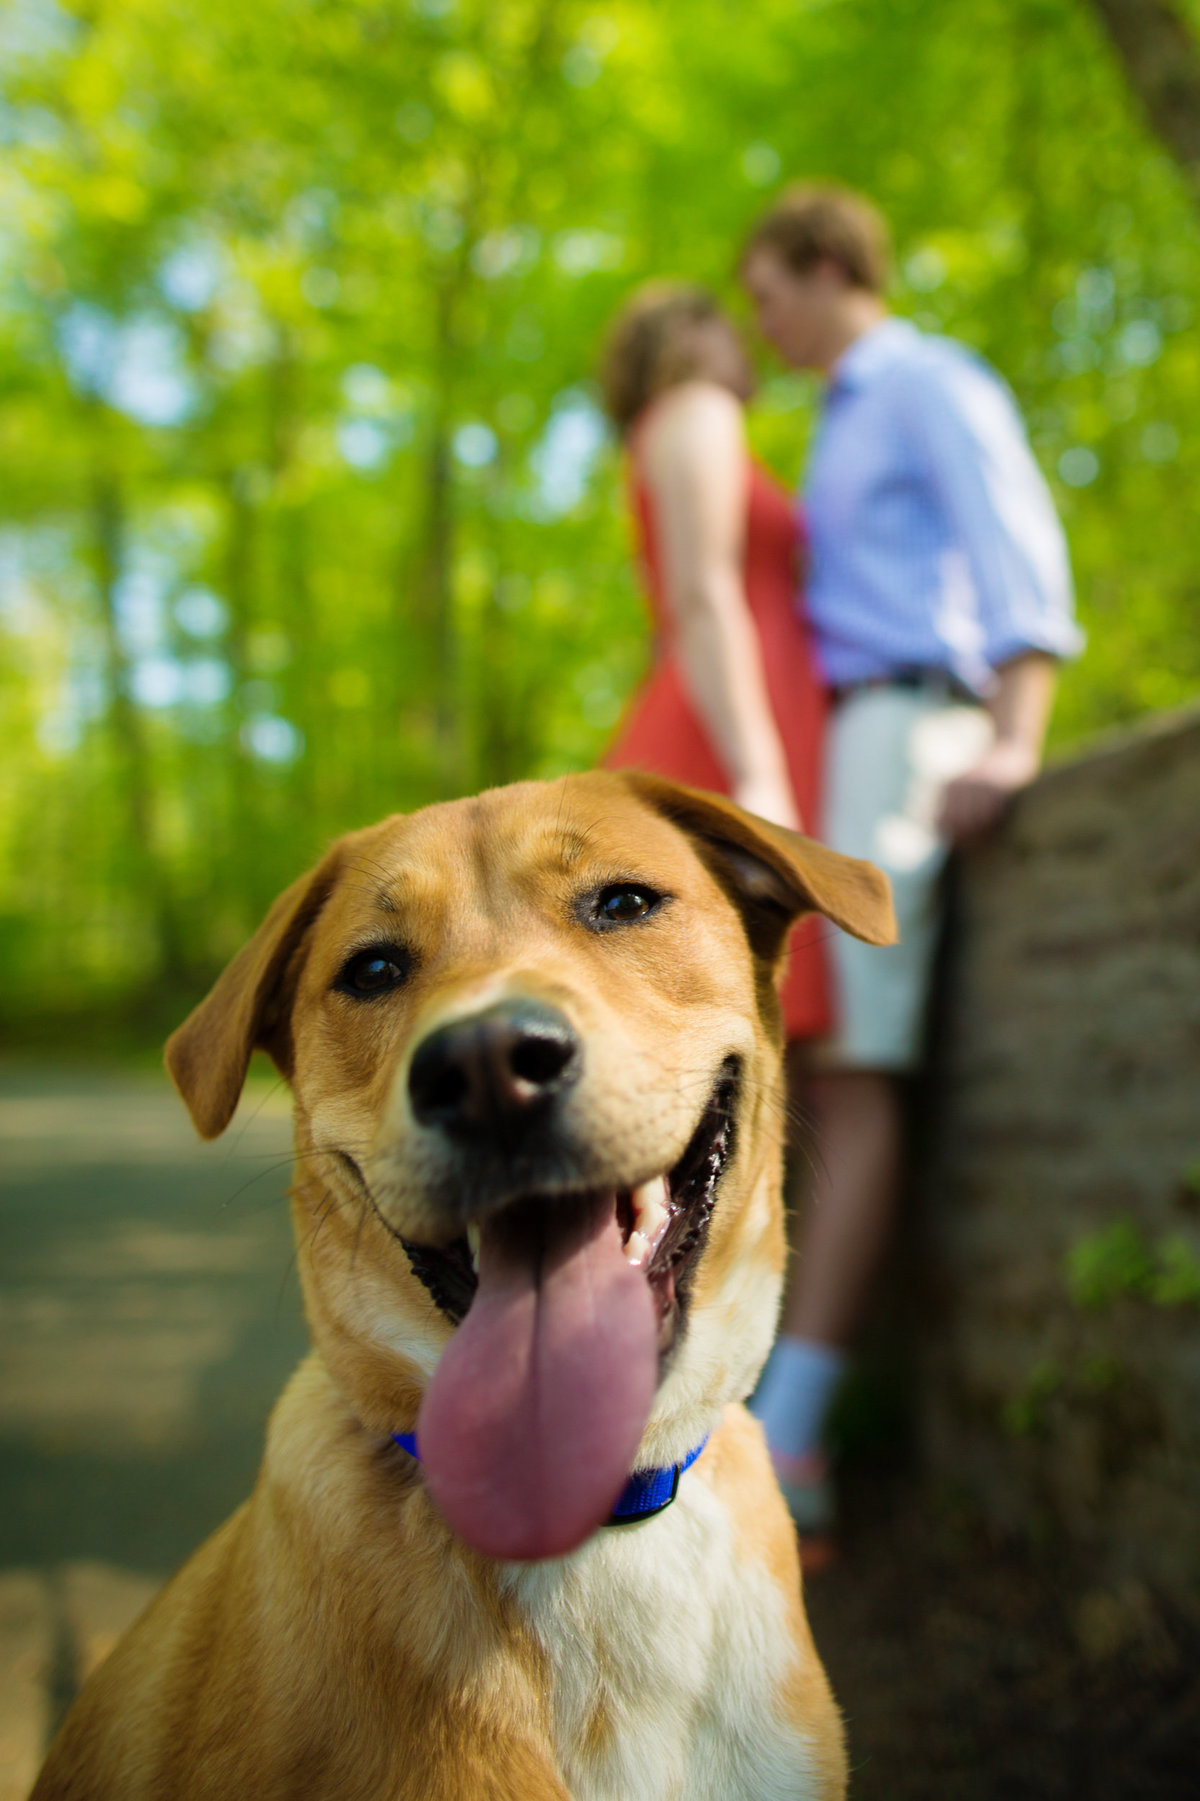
{"x":529,"y":1427}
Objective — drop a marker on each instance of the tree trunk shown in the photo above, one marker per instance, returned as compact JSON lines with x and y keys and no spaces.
{"x":439,"y":556}
{"x":145,"y":864}
{"x":440,"y":576}
{"x":1161,"y":59}
{"x":245,"y":873}
{"x":293,"y":589}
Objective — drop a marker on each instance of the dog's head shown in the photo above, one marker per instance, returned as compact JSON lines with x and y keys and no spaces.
{"x":534,"y":1045}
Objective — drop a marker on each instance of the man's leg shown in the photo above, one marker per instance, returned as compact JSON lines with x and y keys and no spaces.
{"x":847,"y":1216}
{"x":889,"y":754}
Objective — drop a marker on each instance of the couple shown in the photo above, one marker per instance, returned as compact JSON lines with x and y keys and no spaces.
{"x":891,"y":705}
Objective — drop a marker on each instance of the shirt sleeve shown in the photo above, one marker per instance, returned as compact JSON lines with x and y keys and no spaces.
{"x":971,"y":446}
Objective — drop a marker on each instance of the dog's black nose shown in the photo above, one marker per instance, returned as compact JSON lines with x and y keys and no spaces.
{"x":493,"y":1069}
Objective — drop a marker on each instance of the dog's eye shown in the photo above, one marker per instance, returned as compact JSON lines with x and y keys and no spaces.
{"x":374,"y":971}
{"x":624,"y":901}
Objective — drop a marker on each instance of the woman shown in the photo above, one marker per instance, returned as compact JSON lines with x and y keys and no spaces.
{"x":733,"y":702}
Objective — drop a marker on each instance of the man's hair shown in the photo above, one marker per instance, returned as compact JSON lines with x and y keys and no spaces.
{"x":814,"y":224}
{"x":646,"y":349}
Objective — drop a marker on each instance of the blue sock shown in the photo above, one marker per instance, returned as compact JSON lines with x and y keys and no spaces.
{"x":793,"y":1396}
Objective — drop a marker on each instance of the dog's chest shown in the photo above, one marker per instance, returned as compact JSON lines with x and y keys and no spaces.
{"x":667,"y":1657}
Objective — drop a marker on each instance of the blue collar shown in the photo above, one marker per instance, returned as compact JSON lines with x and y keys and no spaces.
{"x":646,"y":1493}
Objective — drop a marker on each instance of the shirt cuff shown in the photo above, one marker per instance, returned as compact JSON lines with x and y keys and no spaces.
{"x":1063,"y":640}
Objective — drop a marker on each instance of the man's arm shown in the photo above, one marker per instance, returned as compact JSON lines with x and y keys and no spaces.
{"x":970,"y":444}
{"x":998,"y":506}
{"x":1020,"y":708}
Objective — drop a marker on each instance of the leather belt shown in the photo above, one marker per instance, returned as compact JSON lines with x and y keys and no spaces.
{"x":930,"y":681}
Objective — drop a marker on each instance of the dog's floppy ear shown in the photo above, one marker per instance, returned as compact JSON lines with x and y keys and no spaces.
{"x":248,"y":1009}
{"x":774,"y":875}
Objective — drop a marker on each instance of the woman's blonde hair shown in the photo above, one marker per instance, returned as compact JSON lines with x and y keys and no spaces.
{"x":647,"y":350}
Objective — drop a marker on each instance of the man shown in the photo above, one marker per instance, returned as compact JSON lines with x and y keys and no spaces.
{"x":939,"y":594}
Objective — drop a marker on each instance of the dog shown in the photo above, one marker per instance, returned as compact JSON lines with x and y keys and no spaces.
{"x":514,"y":1537}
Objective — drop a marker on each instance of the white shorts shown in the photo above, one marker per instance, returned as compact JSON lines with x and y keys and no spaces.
{"x":890,"y":752}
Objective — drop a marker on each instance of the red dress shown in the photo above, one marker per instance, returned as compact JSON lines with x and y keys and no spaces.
{"x":662,"y":731}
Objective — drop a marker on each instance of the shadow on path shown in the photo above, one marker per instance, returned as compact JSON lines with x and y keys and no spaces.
{"x":149,"y":1316}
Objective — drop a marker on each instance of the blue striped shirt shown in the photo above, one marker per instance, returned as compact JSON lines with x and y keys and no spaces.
{"x":934,"y":539}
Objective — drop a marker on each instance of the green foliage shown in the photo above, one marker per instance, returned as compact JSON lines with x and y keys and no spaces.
{"x":1115,"y":1263}
{"x":306,"y":511}
{"x":1024,"y":1414}
{"x":1118,"y":1260}
{"x":1176,"y":1281}
{"x":1108,"y":1263}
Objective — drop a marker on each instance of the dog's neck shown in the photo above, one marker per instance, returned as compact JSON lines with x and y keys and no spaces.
{"x":646,"y":1493}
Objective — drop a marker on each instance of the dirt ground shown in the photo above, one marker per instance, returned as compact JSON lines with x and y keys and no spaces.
{"x":972,"y":1670}
{"x":148,"y":1316}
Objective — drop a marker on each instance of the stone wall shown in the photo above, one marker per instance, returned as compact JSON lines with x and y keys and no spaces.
{"x":1061,"y":1192}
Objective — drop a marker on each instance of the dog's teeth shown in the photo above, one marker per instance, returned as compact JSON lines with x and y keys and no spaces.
{"x":637,"y":1248}
{"x":650,"y":1208}
{"x":473,"y":1242}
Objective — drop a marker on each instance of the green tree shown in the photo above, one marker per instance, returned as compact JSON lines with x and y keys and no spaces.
{"x":308,"y":510}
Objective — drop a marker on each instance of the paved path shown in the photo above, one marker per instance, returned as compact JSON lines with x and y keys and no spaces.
{"x":149,"y":1314}
{"x":148,"y":1318}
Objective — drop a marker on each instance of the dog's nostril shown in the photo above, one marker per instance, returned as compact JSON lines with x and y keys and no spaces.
{"x":540,"y":1060}
{"x":439,"y":1090}
{"x":493,"y":1067}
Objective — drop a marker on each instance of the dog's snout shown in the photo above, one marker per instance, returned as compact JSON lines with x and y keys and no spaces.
{"x":494,"y":1067}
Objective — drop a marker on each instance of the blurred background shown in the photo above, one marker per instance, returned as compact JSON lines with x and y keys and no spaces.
{"x":308,"y":510}
{"x":308,"y":513}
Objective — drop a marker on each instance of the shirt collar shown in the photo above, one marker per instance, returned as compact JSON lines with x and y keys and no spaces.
{"x":872,"y":353}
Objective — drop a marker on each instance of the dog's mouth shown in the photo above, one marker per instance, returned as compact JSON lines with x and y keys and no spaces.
{"x":566,"y":1305}
{"x":663,"y":1222}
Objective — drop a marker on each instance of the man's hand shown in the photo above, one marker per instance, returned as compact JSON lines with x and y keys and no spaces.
{"x":978,"y":799}
{"x":1020,"y":706}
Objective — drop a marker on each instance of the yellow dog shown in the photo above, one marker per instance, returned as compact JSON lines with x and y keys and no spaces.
{"x":535,"y":1052}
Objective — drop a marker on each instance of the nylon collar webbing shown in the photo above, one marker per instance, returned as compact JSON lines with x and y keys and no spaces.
{"x":646,"y":1493}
